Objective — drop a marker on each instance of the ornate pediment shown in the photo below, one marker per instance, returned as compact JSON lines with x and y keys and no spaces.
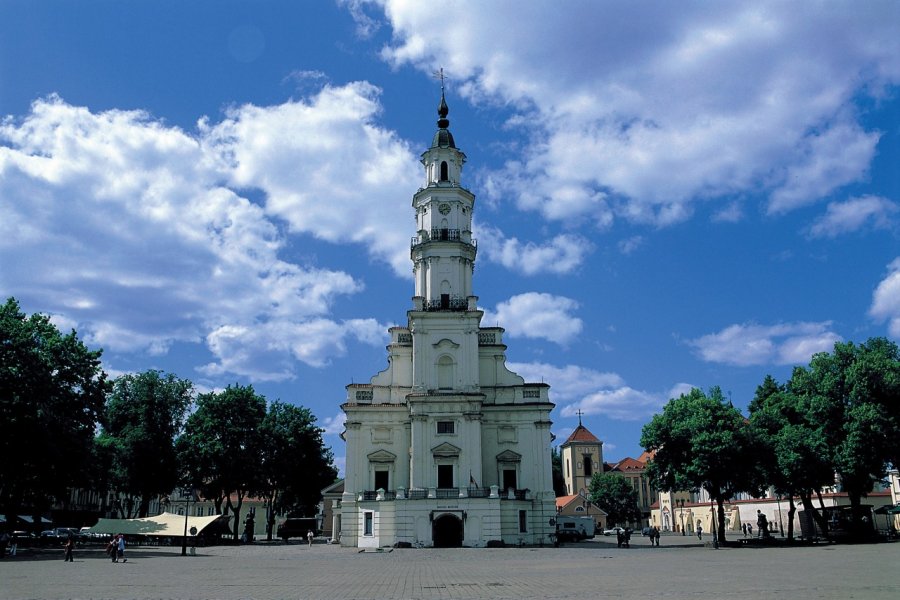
{"x":382,"y":456}
{"x":446,"y":344}
{"x":508,"y":456}
{"x":445,"y":450}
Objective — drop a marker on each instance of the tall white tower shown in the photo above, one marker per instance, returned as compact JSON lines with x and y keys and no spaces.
{"x":446,"y":446}
{"x":443,"y":252}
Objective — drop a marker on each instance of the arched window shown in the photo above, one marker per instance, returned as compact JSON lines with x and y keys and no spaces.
{"x":444,"y":171}
{"x":445,"y":372}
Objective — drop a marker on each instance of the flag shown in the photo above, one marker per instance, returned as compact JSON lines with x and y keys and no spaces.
{"x":472,"y":480}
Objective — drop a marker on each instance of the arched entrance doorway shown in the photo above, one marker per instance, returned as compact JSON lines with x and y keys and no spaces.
{"x":447,"y":531}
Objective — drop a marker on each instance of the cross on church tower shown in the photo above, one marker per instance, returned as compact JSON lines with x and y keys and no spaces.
{"x":579,"y":413}
{"x":439,"y":74}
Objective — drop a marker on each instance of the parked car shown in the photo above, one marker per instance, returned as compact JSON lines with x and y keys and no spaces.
{"x":54,"y":536}
{"x":86,"y":535}
{"x":613,"y":531}
{"x":61,"y":532}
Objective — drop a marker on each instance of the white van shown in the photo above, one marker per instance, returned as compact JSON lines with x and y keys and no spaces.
{"x":573,"y":529}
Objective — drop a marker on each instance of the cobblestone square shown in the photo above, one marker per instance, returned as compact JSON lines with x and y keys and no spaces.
{"x":680,"y":568}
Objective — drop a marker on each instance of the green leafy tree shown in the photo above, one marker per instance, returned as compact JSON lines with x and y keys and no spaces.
{"x":296,"y":465}
{"x":221,"y":447}
{"x":559,"y":481}
{"x":52,"y":391}
{"x":875,"y":379}
{"x":853,"y":393}
{"x":793,"y":449}
{"x":702,"y":441}
{"x":614,"y":494}
{"x":144,"y":413}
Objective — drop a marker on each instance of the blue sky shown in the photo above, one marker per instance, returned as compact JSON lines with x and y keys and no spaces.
{"x":668,"y":194}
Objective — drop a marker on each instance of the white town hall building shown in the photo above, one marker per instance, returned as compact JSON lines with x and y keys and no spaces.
{"x":446,"y":447}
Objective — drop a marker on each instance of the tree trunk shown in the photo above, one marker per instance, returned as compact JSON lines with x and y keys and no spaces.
{"x":792,"y":508}
{"x":236,"y":510}
{"x":720,"y":510}
{"x":820,"y":520}
{"x":229,"y":508}
{"x":855,"y":525}
{"x":144,"y":509}
{"x":270,"y":515}
{"x":827,"y":530}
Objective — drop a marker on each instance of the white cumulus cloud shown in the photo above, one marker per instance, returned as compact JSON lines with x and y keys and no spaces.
{"x":537,"y":316}
{"x":886,"y":299}
{"x":854,"y":214}
{"x":320,"y":161}
{"x":334,"y":425}
{"x":142,"y":235}
{"x":567,"y":383}
{"x":641,"y":114}
{"x":623,"y":404}
{"x":680,"y":389}
{"x":560,"y":255}
{"x":752,"y":344}
{"x":592,"y":392}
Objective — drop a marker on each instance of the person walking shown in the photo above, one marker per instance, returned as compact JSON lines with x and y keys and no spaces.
{"x":699,"y":532}
{"x":121,"y":548}
{"x":112,"y":548}
{"x":762,"y":524}
{"x":744,"y":529}
{"x":309,"y":537}
{"x":749,"y":529}
{"x":69,"y":549}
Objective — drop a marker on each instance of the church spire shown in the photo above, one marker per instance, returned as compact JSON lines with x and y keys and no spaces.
{"x":443,"y":109}
{"x":443,"y":138}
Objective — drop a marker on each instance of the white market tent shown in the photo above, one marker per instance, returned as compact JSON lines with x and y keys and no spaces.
{"x":166,"y":524}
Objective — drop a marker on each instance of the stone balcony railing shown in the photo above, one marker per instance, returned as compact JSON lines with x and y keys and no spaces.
{"x":493,"y":491}
{"x":439,"y":234}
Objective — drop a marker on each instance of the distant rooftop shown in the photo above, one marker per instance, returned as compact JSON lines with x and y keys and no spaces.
{"x":581,"y":434}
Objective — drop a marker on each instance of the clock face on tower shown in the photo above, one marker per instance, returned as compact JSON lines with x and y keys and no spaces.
{"x":444,"y":209}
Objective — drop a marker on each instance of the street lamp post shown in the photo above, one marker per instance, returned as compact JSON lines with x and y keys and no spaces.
{"x":681,"y":502}
{"x":187,"y":493}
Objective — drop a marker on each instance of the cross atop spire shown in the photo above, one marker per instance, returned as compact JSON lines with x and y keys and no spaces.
{"x":579,"y":413}
{"x":439,"y":74}
{"x":443,"y":109}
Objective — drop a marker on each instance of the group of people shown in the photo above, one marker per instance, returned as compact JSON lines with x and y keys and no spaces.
{"x":762,"y":526}
{"x":115,"y":549}
{"x":653,"y":534}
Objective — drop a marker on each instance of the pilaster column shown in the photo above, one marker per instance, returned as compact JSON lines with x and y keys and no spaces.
{"x":417,"y":472}
{"x":335,"y":527}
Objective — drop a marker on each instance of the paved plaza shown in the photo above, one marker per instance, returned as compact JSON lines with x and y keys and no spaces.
{"x":680,"y":568}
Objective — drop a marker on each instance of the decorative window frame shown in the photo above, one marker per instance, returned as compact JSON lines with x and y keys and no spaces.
{"x":509,"y":460}
{"x":381,"y":460}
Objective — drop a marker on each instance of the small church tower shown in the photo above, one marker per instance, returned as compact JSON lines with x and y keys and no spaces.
{"x":446,"y":447}
{"x":582,"y":456}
